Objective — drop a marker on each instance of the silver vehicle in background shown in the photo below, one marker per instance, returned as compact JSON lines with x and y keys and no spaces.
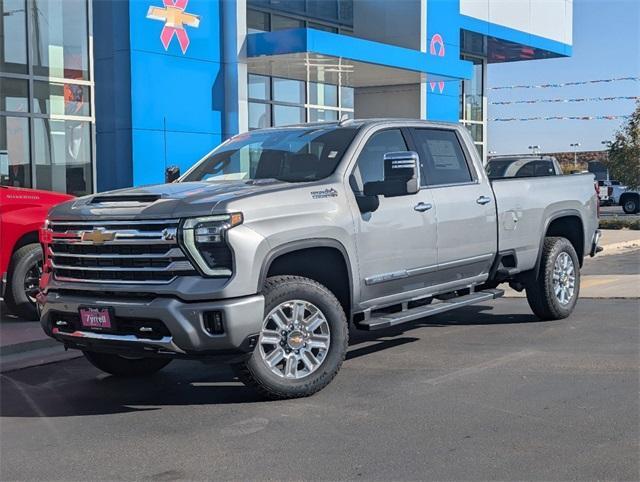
{"x":523,"y":166}
{"x":264,"y":252}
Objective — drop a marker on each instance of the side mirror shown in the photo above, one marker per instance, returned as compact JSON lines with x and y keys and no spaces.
{"x":171,"y":174}
{"x":366,"y":204}
{"x":401,"y":175}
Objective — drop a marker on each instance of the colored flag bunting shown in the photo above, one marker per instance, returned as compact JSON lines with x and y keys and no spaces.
{"x":578,"y":99}
{"x":566,"y":84}
{"x":572,"y":117}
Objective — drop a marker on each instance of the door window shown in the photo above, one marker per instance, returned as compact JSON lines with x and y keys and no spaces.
{"x":442,"y":158}
{"x":370,"y":165}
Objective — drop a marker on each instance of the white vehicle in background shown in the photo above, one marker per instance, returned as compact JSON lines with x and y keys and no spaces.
{"x":630,"y":201}
{"x":616,"y":191}
{"x":605,"y":192}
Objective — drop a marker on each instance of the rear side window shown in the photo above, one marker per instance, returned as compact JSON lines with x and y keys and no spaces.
{"x":442,"y":158}
{"x":536,"y":169}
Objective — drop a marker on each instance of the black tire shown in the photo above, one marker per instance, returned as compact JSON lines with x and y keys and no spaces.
{"x":25,"y":266}
{"x":540,"y":292}
{"x":126,"y":367}
{"x":630,"y":204}
{"x":255,"y":373}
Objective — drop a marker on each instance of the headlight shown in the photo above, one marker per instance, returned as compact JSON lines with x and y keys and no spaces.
{"x":205,"y":241}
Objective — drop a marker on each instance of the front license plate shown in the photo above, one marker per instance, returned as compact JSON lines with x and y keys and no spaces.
{"x":95,"y":318}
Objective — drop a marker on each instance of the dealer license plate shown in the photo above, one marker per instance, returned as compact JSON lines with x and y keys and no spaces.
{"x":95,"y":318}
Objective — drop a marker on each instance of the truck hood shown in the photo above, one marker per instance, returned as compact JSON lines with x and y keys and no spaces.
{"x":163,"y":201}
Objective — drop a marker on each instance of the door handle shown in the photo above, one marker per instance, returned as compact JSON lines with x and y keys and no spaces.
{"x":483,"y":200}
{"x":422,"y":207}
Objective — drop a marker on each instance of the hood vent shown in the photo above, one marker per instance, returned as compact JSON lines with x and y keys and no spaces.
{"x":126,"y":198}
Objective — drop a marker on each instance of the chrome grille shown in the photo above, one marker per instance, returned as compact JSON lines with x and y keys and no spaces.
{"x":117,"y":252}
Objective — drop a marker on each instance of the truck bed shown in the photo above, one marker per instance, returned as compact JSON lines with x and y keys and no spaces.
{"x":526,"y":205}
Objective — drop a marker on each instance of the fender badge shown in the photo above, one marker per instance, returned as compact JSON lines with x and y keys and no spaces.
{"x":325,"y":193}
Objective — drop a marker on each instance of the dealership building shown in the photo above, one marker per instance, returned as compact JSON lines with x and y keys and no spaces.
{"x":102,"y":94}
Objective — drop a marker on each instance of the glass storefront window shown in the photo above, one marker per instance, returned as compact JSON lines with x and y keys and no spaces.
{"x":13,"y":36}
{"x":476,"y":131}
{"x":346,"y":94}
{"x":326,"y":9}
{"x":15,"y":166}
{"x":286,"y":90}
{"x":57,"y":98}
{"x":319,"y":26}
{"x":323,"y":94}
{"x":322,"y":115}
{"x":259,"y":115}
{"x":278,"y":22}
{"x":259,"y":87}
{"x":472,"y":92}
{"x":284,"y":115}
{"x":257,"y":21}
{"x":59,"y":43}
{"x":62,"y":155}
{"x":14,"y":95}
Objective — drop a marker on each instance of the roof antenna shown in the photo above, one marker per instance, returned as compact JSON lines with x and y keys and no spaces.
{"x":343,"y":118}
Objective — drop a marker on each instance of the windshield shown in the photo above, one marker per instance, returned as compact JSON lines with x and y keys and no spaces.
{"x":293,"y":155}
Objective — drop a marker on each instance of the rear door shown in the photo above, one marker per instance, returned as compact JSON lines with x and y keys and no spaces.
{"x":464,"y":203}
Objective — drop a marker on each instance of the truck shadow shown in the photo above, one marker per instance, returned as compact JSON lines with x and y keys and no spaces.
{"x":74,"y":388}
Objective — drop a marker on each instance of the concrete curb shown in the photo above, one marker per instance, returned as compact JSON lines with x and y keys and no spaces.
{"x":616,"y":248}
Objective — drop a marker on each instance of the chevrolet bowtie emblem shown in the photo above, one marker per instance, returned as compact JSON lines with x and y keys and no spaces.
{"x":97,"y":236}
{"x":174,"y":18}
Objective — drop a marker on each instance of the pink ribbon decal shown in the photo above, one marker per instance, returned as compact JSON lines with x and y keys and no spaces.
{"x":175,"y":18}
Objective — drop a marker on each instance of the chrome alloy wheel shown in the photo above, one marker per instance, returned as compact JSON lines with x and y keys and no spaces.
{"x":295,"y":339}
{"x":564,"y":278}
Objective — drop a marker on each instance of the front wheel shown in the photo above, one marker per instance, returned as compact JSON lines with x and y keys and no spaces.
{"x":126,"y":367}
{"x":302,"y":342}
{"x":554,"y":293}
{"x":23,"y":281}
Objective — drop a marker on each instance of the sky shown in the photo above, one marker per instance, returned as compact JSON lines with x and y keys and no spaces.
{"x":606,"y":44}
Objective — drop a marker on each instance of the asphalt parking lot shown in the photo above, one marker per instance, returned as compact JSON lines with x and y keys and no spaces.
{"x":613,"y":212}
{"x":487,"y":392}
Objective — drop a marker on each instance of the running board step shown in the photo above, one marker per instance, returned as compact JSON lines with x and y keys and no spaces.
{"x":385,"y":320}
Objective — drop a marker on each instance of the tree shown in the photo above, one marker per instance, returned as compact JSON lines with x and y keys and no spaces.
{"x":624,"y":152}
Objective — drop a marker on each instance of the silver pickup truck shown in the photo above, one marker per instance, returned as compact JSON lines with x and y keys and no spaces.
{"x":265,"y":251}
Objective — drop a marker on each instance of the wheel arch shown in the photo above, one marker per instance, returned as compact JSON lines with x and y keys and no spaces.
{"x":625,"y":195}
{"x":311,"y":258}
{"x":567,"y":224}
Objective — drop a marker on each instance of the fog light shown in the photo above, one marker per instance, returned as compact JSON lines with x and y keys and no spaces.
{"x":213,"y":322}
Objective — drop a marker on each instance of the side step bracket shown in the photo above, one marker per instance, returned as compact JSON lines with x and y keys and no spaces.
{"x":385,"y":320}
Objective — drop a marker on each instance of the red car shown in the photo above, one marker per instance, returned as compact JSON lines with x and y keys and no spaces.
{"x":22,"y":214}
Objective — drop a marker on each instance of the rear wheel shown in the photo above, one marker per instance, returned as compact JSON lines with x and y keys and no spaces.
{"x":126,"y":367}
{"x":302,"y":343}
{"x":23,"y":281}
{"x":554,"y":293}
{"x":630,"y":204}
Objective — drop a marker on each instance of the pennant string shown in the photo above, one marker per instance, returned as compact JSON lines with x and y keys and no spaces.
{"x":566,"y":84}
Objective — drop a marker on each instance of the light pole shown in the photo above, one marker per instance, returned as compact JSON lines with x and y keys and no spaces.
{"x":575,"y":146}
{"x":534,"y":149}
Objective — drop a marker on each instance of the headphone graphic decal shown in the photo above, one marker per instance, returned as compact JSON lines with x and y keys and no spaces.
{"x":436,"y":47}
{"x":436,"y":41}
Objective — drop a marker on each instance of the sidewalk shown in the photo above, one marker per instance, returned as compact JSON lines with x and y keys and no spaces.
{"x":24,"y":344}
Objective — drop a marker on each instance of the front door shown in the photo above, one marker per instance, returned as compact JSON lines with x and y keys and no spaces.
{"x":396,"y":244}
{"x":464,"y":203}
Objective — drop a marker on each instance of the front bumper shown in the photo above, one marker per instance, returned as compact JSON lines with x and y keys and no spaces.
{"x":183,"y":328}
